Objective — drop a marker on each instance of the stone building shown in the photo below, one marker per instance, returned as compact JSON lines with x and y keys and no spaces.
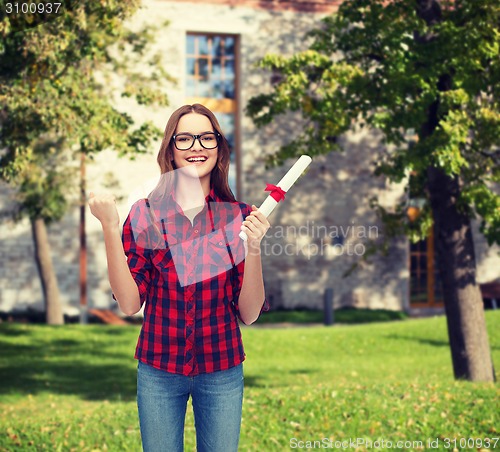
{"x":319,"y":232}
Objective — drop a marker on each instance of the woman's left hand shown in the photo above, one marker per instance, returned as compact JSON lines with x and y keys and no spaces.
{"x":255,"y":227}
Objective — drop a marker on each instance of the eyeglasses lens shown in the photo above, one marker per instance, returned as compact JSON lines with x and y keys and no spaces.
{"x":185,"y":141}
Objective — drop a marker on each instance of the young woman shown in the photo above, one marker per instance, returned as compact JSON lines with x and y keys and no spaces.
{"x":196,"y":277}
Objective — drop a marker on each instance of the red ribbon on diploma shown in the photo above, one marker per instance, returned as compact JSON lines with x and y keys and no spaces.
{"x":277,"y":193}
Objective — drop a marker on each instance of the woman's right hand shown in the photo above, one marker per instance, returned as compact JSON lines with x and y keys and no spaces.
{"x":103,"y":207}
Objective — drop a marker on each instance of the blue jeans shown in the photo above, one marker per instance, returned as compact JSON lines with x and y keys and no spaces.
{"x":217,"y":402}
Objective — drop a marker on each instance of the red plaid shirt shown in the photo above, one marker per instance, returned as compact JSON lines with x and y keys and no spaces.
{"x":190,"y":277}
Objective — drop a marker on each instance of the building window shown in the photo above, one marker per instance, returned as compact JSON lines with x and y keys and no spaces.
{"x":425,"y":282}
{"x":210,"y":66}
{"x":211,"y":80}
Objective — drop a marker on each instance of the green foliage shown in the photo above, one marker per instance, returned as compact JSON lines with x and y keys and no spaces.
{"x":44,"y":190}
{"x":487,"y":205}
{"x":379,"y":65}
{"x":59,"y":76}
{"x":74,"y":388}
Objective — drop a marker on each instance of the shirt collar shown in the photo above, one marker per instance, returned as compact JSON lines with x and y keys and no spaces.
{"x":211,"y":197}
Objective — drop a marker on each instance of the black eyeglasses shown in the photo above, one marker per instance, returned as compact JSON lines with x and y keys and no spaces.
{"x":185,"y":141}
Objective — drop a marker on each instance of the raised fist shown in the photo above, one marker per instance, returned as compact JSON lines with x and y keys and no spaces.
{"x":103,"y":207}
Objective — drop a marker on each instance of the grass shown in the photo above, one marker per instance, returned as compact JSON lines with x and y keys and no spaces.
{"x":342,"y":316}
{"x":73,"y":388}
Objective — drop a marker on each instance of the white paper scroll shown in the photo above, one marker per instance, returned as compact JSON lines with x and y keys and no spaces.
{"x":285,"y":184}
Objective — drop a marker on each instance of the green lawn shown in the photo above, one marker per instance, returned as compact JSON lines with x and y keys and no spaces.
{"x":343,"y":316}
{"x":73,"y":388}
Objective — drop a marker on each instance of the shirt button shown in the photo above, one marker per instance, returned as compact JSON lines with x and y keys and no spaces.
{"x":196,"y":231}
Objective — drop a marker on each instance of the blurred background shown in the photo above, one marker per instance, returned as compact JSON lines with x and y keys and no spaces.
{"x":211,"y":51}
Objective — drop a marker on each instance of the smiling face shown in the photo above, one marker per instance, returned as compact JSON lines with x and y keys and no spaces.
{"x":203,"y":159}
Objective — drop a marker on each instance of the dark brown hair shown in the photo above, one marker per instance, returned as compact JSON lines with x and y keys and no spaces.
{"x":219,"y":175}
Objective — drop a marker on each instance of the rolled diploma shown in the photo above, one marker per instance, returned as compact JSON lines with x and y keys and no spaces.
{"x":285,"y":183}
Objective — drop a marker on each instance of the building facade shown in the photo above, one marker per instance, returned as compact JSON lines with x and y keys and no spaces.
{"x":322,"y":229}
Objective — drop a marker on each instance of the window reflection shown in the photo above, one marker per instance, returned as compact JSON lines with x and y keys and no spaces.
{"x":190,"y":64}
{"x":229,"y":69}
{"x":229,"y":46}
{"x":203,"y":72}
{"x":216,"y":68}
{"x":229,"y":89}
{"x":190,"y":42}
{"x":210,"y":67}
{"x":204,"y":89}
{"x":202,"y":45}
{"x":216,"y":46}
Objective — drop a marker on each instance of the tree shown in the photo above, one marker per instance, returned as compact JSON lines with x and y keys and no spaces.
{"x":59,"y":73}
{"x":424,"y":67}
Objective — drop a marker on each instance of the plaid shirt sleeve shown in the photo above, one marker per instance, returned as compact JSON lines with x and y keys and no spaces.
{"x":137,"y":248}
{"x":239,"y":271}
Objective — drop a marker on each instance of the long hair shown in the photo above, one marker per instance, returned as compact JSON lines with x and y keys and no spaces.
{"x":218,"y":176}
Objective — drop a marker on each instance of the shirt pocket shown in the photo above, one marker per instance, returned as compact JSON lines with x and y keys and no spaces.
{"x":164,"y":263}
{"x":218,"y":256}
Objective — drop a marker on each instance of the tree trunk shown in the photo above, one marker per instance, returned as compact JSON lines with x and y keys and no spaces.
{"x":53,"y":309}
{"x":470,"y":350}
